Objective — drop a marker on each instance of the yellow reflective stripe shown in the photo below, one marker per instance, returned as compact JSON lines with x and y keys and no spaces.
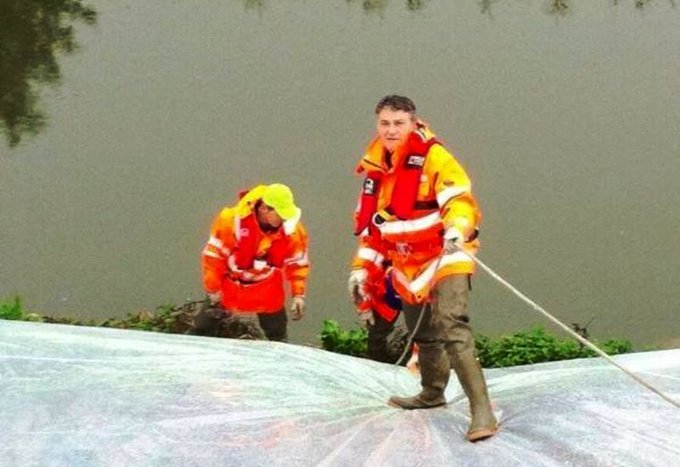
{"x":427,"y":275}
{"x":217,"y":243}
{"x":447,"y":194}
{"x":237,"y":227}
{"x":413,"y":225}
{"x":207,"y":252}
{"x":369,"y":254}
{"x":301,"y":260}
{"x":231,"y":263}
{"x":250,"y":276}
{"x":254,"y":274}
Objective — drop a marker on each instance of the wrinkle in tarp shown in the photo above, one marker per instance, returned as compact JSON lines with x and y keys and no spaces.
{"x":78,"y":396}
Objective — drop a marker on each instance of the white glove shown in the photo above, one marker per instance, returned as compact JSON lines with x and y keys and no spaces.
{"x":215,"y":298}
{"x":367,"y":318}
{"x":355,"y":285}
{"x":297,"y":308}
{"x":453,"y":240}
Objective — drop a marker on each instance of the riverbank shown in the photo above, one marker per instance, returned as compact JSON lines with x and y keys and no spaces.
{"x":535,"y":345}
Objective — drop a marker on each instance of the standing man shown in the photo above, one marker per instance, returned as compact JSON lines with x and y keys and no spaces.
{"x":417,"y":210}
{"x":253,"y":247}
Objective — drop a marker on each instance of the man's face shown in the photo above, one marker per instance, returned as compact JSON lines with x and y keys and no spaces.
{"x":394,"y":126}
{"x":268,"y":219}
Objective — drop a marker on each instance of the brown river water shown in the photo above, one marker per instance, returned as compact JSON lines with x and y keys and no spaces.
{"x":124,"y":138}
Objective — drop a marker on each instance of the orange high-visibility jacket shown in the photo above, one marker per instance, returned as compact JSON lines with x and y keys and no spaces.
{"x":414,"y":244}
{"x":247,"y":265}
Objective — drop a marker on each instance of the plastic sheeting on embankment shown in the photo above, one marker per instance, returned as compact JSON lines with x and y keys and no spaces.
{"x":76,"y":396}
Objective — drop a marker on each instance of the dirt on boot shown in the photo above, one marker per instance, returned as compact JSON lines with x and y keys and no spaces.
{"x":424,"y":400}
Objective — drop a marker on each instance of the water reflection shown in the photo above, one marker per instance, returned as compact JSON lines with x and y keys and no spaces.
{"x":552,"y":7}
{"x":562,"y":7}
{"x":31,"y":35}
{"x":33,"y":32}
{"x":379,"y":5}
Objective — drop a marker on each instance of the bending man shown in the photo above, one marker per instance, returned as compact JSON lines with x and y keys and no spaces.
{"x":253,"y":247}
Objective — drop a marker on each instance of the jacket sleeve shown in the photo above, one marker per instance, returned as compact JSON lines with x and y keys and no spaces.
{"x":296,"y":264}
{"x":454,"y":192}
{"x":217,"y":250}
{"x":371,"y":253}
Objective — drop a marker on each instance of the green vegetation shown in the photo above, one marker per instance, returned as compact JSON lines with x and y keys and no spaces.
{"x":520,"y":348}
{"x":537,"y":346}
{"x":166,"y":318}
{"x":335,"y":339}
{"x":13,"y":310}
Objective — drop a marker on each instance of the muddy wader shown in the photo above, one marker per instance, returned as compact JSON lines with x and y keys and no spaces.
{"x":210,"y":320}
{"x":446,"y":342}
{"x":214,"y":321}
{"x":377,"y":339}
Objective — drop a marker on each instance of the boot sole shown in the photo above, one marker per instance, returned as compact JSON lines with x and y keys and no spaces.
{"x":391,"y":403}
{"x":481,"y":434}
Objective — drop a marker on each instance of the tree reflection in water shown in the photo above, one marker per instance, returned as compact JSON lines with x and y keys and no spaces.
{"x":552,"y":7}
{"x":32,"y":33}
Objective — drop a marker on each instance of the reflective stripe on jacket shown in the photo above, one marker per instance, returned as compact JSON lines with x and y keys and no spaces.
{"x":414,"y":244}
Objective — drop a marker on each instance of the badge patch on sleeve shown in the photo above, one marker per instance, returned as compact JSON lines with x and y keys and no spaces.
{"x":369,"y":186}
{"x":415,"y":160}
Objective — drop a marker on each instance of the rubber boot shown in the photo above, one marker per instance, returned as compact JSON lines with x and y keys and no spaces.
{"x":469,"y":372}
{"x":434,"y":376}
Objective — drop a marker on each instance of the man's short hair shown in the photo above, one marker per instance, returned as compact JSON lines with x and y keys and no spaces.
{"x":396,"y":102}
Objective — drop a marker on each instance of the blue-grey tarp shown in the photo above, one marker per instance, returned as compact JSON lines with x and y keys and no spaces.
{"x":78,"y":396}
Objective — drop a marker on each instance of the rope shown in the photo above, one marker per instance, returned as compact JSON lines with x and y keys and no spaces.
{"x":409,"y":343}
{"x":575,"y":335}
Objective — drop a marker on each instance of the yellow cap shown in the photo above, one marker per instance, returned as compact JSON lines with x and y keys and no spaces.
{"x":279,"y":197}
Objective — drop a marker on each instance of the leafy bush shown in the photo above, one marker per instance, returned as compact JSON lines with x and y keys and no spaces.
{"x":335,"y":339}
{"x":537,"y":346}
{"x":521,"y":348}
{"x":615,"y":347}
{"x":12,"y":310}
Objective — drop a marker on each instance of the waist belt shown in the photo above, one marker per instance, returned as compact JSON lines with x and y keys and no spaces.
{"x":406,"y":248}
{"x":243,"y":281}
{"x":424,"y":205}
{"x":427,"y":205}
